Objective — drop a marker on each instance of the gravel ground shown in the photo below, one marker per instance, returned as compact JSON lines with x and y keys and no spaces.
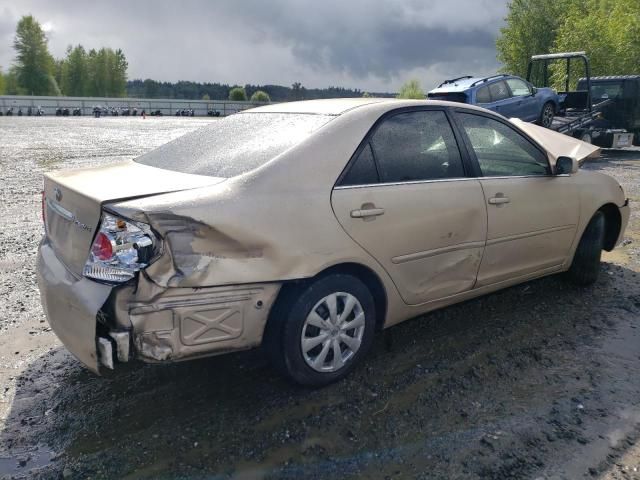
{"x":538,"y":381}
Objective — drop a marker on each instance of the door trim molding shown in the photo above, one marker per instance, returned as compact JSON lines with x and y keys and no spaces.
{"x":436,"y":251}
{"x":535,"y":233}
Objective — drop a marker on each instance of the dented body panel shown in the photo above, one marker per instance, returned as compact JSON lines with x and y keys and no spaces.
{"x":227,"y":246}
{"x":71,"y":304}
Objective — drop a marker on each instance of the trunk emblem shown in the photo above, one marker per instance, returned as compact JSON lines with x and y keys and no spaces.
{"x":58,"y":193}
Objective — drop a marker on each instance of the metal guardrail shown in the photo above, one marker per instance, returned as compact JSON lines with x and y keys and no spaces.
{"x":165,"y":105}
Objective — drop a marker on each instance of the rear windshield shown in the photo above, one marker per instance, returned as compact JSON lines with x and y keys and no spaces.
{"x":234,"y":145}
{"x":449,"y":96}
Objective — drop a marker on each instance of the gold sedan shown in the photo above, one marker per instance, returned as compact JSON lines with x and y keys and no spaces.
{"x":310,"y":226}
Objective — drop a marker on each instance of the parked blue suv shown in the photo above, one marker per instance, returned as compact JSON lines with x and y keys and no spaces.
{"x":508,"y":95}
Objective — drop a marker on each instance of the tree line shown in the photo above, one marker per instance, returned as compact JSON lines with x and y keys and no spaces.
{"x":100,"y":72}
{"x":218,"y":91}
{"x":608,"y":30}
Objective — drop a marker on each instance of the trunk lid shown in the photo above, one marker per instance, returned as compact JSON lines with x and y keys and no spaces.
{"x":74,"y":199}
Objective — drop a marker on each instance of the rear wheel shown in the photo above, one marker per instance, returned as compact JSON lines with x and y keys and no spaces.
{"x":547,"y":114}
{"x":586,"y":137}
{"x":318,"y":334}
{"x":586,"y":261}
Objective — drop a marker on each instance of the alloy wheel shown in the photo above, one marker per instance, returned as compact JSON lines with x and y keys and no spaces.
{"x":547,"y":116}
{"x":332,"y":332}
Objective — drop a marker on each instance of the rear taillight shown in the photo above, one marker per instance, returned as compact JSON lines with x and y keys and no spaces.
{"x":120,"y":249}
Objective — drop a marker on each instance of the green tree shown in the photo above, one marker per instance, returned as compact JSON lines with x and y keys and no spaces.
{"x":608,"y":30}
{"x":11,"y":86}
{"x":260,"y":96}
{"x":2,"y":82}
{"x":297,"y":91}
{"x":531,"y":29}
{"x":366,"y":95}
{"x":411,"y":90}
{"x":206,"y":97}
{"x":74,"y":72}
{"x":34,"y":65}
{"x":237,"y":94}
{"x":118,"y":73}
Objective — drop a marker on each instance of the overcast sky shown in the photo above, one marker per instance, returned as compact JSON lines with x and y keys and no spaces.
{"x":372,"y":45}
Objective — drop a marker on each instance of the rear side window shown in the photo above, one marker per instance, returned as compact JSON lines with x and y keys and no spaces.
{"x":363,"y":170}
{"x":500,"y":150}
{"x":498,"y":91}
{"x":416,"y":146}
{"x":234,"y":145}
{"x":482,"y":95}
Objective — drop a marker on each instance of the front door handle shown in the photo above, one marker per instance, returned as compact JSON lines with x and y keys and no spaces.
{"x":499,"y":199}
{"x":367,"y":212}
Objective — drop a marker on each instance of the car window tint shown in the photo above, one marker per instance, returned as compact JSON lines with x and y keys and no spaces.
{"x":518,"y":87}
{"x":482,"y":95}
{"x":234,"y":145}
{"x":416,"y":146}
{"x":500,"y":150}
{"x":363,"y":170}
{"x":498,"y":91}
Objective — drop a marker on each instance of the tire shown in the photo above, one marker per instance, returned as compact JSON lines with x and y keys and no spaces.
{"x":302,"y":316}
{"x":546,"y":115}
{"x":586,"y":137}
{"x":586,"y":261}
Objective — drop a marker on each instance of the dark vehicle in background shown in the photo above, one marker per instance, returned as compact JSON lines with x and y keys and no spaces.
{"x":622,"y":112}
{"x":511,"y":96}
{"x":599,"y":110}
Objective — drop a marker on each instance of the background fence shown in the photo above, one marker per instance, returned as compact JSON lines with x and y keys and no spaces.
{"x":87,"y":104}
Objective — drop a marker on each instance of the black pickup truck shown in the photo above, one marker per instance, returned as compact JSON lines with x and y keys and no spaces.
{"x":622,"y":112}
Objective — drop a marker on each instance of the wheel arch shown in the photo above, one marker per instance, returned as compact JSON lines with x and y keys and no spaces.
{"x":613,"y":223}
{"x":363,"y":273}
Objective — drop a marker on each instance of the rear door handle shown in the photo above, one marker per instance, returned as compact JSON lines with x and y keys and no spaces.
{"x":367,"y":212}
{"x":499,"y":199}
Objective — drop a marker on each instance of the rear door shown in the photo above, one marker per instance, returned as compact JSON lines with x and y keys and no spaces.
{"x":406,"y":199}
{"x":501,"y":101}
{"x":532,"y":215}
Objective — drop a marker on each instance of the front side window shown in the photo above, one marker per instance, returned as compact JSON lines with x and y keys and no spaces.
{"x":498,"y":91}
{"x":500,"y":150}
{"x":518,"y":87}
{"x":415,"y":146}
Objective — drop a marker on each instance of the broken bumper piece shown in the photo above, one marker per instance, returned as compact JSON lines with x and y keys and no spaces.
{"x":71,"y":305}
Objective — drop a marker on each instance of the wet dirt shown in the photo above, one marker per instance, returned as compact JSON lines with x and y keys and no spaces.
{"x":539,"y":381}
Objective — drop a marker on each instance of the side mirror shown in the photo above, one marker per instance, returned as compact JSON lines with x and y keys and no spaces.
{"x":534,"y":90}
{"x":566,"y":165}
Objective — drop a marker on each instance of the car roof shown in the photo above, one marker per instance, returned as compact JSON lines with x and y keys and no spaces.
{"x":465,"y":83}
{"x":330,"y":106}
{"x":338,"y":106}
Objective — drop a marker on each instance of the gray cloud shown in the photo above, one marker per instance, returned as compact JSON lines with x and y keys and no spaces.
{"x":358,"y":43}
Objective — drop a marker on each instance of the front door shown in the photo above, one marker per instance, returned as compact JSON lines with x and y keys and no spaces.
{"x":524,"y":103}
{"x":532,"y":215}
{"x":406,"y":200}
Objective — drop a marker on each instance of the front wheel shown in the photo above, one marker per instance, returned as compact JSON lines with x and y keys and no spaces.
{"x":586,"y":261}
{"x":547,"y":114}
{"x":317,"y":334}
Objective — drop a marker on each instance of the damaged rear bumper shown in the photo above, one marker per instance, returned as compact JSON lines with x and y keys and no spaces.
{"x":71,"y":305}
{"x":102,"y":324}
